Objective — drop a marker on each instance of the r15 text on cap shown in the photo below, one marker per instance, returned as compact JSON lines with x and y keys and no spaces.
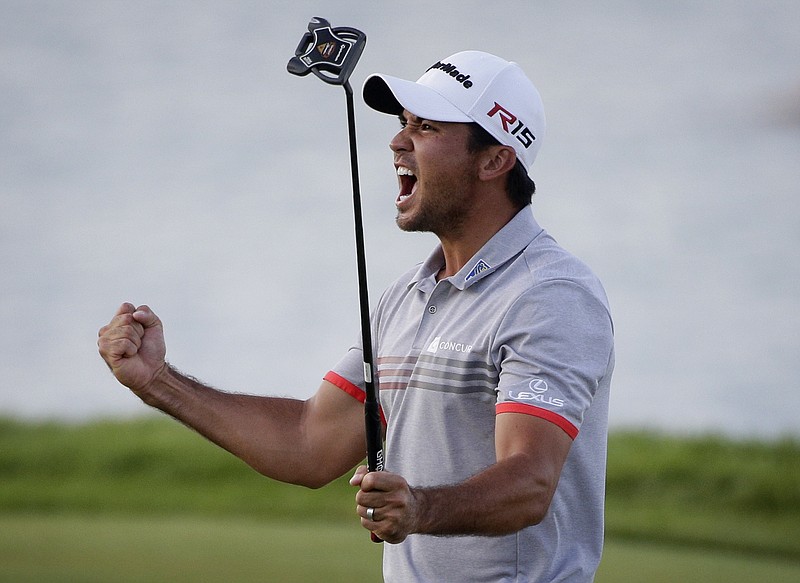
{"x":520,"y":130}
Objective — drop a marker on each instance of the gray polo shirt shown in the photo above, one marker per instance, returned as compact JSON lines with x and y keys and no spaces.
{"x":524,"y":327}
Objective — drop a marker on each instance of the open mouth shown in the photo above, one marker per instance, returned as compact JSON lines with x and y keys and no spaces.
{"x":408,"y":183}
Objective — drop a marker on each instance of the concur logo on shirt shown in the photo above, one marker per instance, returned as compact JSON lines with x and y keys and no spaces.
{"x":439,"y":344}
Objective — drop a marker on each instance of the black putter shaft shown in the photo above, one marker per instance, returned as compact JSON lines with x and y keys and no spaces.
{"x":331,"y":54}
{"x":372,"y":417}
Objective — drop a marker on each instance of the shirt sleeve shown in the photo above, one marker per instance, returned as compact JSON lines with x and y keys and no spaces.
{"x":348,"y":375}
{"x":553,"y":348}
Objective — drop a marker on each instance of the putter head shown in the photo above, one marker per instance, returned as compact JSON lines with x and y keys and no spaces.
{"x":330,"y":53}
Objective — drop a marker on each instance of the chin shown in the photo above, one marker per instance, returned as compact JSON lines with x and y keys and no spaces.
{"x":408,"y":224}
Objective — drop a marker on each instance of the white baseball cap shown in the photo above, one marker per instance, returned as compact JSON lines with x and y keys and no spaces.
{"x":470,"y":86}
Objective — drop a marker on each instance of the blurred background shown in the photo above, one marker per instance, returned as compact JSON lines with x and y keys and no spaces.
{"x":160,"y":153}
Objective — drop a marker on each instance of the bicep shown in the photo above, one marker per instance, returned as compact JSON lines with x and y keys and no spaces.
{"x":538,"y":445}
{"x":333,"y":428}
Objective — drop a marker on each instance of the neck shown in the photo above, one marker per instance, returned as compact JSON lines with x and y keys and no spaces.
{"x":459,"y":247}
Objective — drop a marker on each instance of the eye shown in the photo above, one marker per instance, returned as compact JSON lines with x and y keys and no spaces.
{"x":416,"y":124}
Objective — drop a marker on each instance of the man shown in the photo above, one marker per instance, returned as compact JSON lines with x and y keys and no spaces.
{"x":494,"y":358}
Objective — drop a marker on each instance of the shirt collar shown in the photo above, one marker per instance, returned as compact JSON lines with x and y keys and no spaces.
{"x":515,"y":236}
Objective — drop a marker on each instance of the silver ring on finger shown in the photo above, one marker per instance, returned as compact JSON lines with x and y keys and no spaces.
{"x":371,"y":514}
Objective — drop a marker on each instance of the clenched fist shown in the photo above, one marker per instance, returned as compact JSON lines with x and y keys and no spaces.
{"x":132,"y":345}
{"x":387,"y":505}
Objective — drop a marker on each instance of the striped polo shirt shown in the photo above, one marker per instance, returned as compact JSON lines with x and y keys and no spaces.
{"x":524,"y":327}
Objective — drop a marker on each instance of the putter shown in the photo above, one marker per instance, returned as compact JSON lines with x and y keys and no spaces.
{"x":331,"y":54}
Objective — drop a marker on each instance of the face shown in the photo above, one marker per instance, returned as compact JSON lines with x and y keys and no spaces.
{"x":436,"y":173}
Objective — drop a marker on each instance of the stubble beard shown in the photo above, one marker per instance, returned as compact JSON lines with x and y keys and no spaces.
{"x":443,"y":210}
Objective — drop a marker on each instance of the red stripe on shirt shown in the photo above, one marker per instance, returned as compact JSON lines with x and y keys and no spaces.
{"x":511,"y":407}
{"x":351,"y":389}
{"x":346,"y":386}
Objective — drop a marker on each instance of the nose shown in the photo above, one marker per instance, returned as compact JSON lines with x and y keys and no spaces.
{"x":400,"y":142}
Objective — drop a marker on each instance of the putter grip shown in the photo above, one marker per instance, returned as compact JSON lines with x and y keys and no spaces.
{"x":372,"y":420}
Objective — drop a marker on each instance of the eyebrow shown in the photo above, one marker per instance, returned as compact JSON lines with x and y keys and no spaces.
{"x":411,"y":118}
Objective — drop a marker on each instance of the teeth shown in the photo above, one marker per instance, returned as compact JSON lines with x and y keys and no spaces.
{"x":411,"y":182}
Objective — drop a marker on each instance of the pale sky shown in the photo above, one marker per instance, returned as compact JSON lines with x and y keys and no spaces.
{"x":160,"y":153}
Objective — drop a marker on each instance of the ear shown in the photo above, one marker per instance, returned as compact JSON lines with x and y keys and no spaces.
{"x":495,"y":161}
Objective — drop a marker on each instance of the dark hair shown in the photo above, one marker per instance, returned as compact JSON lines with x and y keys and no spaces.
{"x":520,"y":187}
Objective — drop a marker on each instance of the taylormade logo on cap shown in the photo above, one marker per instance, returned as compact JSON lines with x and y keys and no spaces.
{"x":470,"y":86}
{"x":451,"y":70}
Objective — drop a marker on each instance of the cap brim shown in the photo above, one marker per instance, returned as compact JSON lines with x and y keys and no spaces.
{"x":392,"y":95}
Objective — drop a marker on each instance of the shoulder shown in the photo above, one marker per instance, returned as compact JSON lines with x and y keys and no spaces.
{"x":550,"y":269}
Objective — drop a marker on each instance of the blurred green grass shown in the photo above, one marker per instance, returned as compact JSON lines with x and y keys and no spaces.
{"x":698,"y":492}
{"x":182,"y":549}
{"x":150,"y":466}
{"x":705,"y":492}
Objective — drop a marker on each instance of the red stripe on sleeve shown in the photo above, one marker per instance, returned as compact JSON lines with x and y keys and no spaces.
{"x":351,"y":389}
{"x":346,"y":386}
{"x":511,"y":407}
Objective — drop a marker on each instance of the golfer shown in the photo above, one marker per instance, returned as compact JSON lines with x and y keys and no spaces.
{"x":494,"y":358}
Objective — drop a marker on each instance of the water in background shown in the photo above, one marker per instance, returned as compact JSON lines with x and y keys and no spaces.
{"x":161,"y":154}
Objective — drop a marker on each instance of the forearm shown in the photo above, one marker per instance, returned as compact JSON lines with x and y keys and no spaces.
{"x":502,"y":499}
{"x":306,"y":442}
{"x":265,"y":432}
{"x":506,"y":497}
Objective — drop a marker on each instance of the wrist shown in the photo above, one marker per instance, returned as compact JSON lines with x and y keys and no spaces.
{"x":149,"y":391}
{"x":421,"y":511}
